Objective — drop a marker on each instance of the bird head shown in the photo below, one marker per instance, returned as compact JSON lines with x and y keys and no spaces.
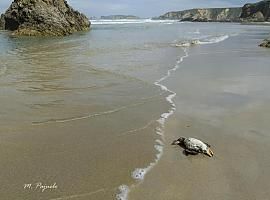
{"x":178,"y":141}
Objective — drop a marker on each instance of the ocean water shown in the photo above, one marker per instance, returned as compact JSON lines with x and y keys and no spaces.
{"x":87,"y":112}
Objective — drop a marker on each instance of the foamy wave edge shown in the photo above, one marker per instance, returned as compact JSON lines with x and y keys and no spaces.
{"x":139,"y":173}
{"x":130,"y":21}
{"x":208,"y":40}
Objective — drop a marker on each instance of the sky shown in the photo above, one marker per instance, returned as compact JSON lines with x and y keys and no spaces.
{"x":141,"y":8}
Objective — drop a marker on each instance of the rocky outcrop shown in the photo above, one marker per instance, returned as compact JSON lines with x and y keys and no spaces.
{"x":42,"y":18}
{"x":265,"y":43}
{"x":256,"y":12}
{"x":2,"y":22}
{"x":205,"y":15}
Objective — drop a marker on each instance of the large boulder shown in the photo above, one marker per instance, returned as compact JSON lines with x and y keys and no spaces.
{"x":42,"y":18}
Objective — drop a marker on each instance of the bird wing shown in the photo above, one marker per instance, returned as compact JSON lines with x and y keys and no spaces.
{"x":195,"y":144}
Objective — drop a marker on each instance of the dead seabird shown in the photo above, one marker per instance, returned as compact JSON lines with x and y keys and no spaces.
{"x":193,"y":146}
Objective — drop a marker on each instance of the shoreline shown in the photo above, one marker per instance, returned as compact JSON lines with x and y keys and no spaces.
{"x":139,"y":173}
{"x":230,"y":120}
{"x":256,"y":23}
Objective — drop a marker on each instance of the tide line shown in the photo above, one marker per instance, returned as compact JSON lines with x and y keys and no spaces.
{"x":90,"y":115}
{"x":139,"y":173}
{"x":79,"y":195}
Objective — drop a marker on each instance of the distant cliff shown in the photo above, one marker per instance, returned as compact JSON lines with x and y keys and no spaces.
{"x":43,"y":17}
{"x":205,"y":15}
{"x":117,"y":17}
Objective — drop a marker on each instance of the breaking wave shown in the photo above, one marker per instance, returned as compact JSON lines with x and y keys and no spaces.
{"x":213,"y":39}
{"x":201,"y":41}
{"x":130,"y":21}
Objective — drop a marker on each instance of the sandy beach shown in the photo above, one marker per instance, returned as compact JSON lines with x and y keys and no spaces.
{"x":87,"y":123}
{"x":222,"y":98}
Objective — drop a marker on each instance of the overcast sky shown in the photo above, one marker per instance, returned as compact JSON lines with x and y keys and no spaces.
{"x":142,"y":8}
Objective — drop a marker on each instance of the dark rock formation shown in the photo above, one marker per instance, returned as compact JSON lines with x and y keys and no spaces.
{"x":43,"y":17}
{"x":205,"y":15}
{"x":265,"y":43}
{"x":115,"y":17}
{"x":2,"y":22}
{"x":256,"y":12}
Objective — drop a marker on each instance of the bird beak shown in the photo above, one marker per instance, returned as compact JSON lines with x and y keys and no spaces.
{"x":175,"y":142}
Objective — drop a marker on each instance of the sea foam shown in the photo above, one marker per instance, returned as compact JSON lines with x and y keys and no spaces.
{"x":123,"y":192}
{"x":213,"y":39}
{"x":130,"y":21}
{"x":201,"y":41}
{"x":139,"y":173}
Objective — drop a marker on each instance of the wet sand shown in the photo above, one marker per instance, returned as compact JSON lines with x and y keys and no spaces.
{"x":87,"y":120}
{"x":71,"y":119}
{"x":222,"y":98}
